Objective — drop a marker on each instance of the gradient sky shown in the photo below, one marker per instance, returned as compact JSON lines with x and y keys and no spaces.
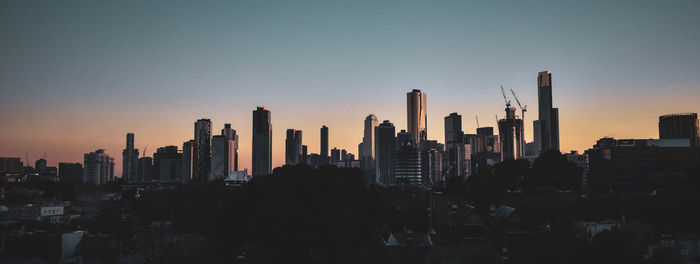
{"x":76,"y":76}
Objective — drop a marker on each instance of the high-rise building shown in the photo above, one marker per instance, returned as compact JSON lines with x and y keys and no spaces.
{"x":202,"y":149}
{"x":223,"y":154}
{"x":431,"y":162}
{"x":167,"y":164}
{"x":546,"y":128}
{"x":130,"y":157}
{"x":407,"y":168}
{"x":454,"y":146}
{"x":385,"y":150}
{"x":40,"y":165}
{"x":305,"y":154}
{"x":10,"y":165}
{"x":70,"y":172}
{"x":262,"y":142}
{"x":510,"y":130}
{"x":417,"y":115}
{"x":232,"y":159}
{"x":680,"y":126}
{"x":99,"y":167}
{"x":366,"y":149}
{"x":145,"y":169}
{"x":324,"y":142}
{"x":187,"y":161}
{"x":335,"y":156}
{"x":293,"y":147}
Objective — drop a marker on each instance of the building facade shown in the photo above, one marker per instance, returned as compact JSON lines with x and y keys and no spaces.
{"x":99,"y":167}
{"x":385,"y":149}
{"x":262,"y":142}
{"x":546,"y":128}
{"x":293,"y":147}
{"x":680,"y":126}
{"x":202,"y":150}
{"x":417,"y":116}
{"x":130,"y":157}
{"x":407,"y":168}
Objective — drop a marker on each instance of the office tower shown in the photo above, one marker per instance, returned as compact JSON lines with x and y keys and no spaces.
{"x":324,"y":142}
{"x":262,"y":142}
{"x":365,"y":149}
{"x":431,"y":162}
{"x":40,"y":165}
{"x":99,"y":167}
{"x":230,"y":134}
{"x":335,"y":156}
{"x":167,"y":164}
{"x":145,"y":169}
{"x":305,"y":154}
{"x":680,"y":126}
{"x":293,"y":147}
{"x":130,"y":157}
{"x":454,"y":146}
{"x":385,"y":149}
{"x":417,"y":115}
{"x":548,"y":121}
{"x":510,"y":130}
{"x":70,"y":172}
{"x":220,"y":157}
{"x":202,"y":150}
{"x":407,"y":168}
{"x":187,"y":161}
{"x":10,"y":165}
{"x":343,"y":155}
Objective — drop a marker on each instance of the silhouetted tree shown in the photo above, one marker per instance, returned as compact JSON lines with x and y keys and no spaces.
{"x":553,"y":170}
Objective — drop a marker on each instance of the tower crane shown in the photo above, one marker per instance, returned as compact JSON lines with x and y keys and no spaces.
{"x":523,"y":109}
{"x":477,"y":121}
{"x":505,"y":98}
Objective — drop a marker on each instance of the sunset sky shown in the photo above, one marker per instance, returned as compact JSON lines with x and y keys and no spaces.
{"x":76,"y":76}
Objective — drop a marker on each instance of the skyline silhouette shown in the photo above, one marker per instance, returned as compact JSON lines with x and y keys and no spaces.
{"x":70,"y":87}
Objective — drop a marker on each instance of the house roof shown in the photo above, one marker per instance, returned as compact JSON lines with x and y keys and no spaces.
{"x":503,"y":212}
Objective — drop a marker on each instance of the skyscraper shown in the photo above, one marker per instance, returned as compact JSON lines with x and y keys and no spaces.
{"x":385,"y":150}
{"x":454,"y":146}
{"x":293,"y":147}
{"x":167,"y":163}
{"x":680,"y":126}
{"x":222,"y":157}
{"x":546,"y":128}
{"x":145,"y":169}
{"x":187,"y":161}
{"x":202,"y":149}
{"x":407,"y":168}
{"x":262,"y":142}
{"x":366,"y":148}
{"x":305,"y":154}
{"x":510,"y":130}
{"x":232,"y":159}
{"x":417,"y":115}
{"x":324,"y":143}
{"x":431,"y":162}
{"x":99,"y":167}
{"x":130,"y":157}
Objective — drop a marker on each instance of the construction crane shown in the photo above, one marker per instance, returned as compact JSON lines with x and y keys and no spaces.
{"x":477,"y":121}
{"x":144,"y":151}
{"x":523,"y":109}
{"x":505,"y":98}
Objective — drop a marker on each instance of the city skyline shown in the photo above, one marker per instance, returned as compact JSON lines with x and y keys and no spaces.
{"x":65,"y":84}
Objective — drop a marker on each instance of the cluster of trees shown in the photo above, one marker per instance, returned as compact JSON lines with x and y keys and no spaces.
{"x":296,"y":213}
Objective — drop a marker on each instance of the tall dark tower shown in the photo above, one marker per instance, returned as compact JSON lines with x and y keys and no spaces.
{"x":324,"y":143}
{"x":202,"y":150}
{"x":130,"y":159}
{"x":366,"y":148}
{"x":417,"y":115}
{"x":385,"y":148}
{"x":546,"y":128}
{"x":230,"y":134}
{"x":454,"y":145}
{"x":680,"y":126}
{"x":293,"y":147}
{"x":262,"y":142}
